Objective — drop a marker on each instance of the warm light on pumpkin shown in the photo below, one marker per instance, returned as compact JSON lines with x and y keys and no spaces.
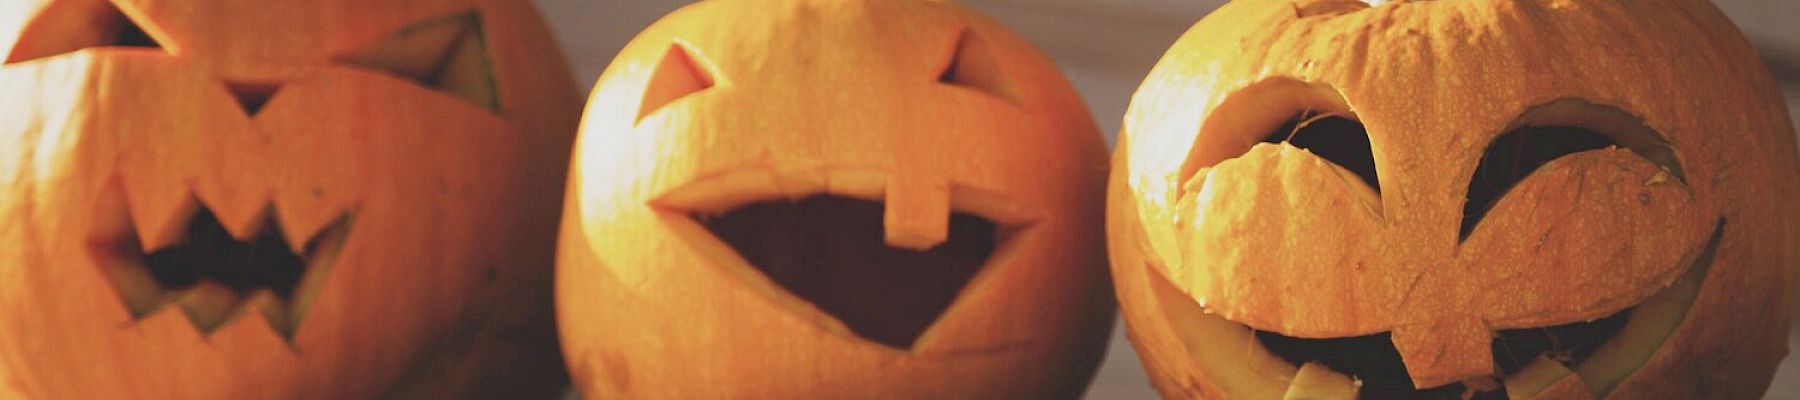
{"x":279,"y":199}
{"x":1575,"y":199}
{"x":833,"y":199}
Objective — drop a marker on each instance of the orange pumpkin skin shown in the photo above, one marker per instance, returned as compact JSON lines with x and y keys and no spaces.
{"x":726,"y":103}
{"x":435,"y":197}
{"x":1214,"y":237}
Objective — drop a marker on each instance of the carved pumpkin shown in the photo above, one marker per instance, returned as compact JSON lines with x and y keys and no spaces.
{"x":279,"y":199}
{"x":1498,"y":198}
{"x":833,"y":199}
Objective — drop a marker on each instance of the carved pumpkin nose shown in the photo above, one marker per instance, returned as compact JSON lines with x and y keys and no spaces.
{"x":1446,"y":351}
{"x":252,"y":96}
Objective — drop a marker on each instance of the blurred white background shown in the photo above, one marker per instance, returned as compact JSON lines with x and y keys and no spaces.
{"x":1106,"y":47}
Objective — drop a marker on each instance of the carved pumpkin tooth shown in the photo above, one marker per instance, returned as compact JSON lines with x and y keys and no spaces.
{"x":895,"y":195}
{"x":209,"y":305}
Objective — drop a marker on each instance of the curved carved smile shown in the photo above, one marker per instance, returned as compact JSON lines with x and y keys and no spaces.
{"x":1598,"y":354}
{"x":829,"y":251}
{"x":831,"y":256}
{"x":215,"y":275}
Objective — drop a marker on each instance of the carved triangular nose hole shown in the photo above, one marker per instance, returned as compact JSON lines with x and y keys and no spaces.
{"x":132,"y":35}
{"x":252,"y":96}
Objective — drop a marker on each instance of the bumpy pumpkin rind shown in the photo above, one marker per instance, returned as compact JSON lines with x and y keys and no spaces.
{"x":1434,"y":83}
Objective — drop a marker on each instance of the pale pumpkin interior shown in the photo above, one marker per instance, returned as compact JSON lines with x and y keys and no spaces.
{"x":831,"y":252}
{"x":76,"y":25}
{"x":1601,"y":353}
{"x":446,"y":54}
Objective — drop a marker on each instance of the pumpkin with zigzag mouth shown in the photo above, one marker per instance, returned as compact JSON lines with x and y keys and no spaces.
{"x":222,"y":199}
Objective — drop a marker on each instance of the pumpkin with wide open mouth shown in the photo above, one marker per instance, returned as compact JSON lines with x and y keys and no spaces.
{"x":1454,"y":199}
{"x":833,"y":199}
{"x":279,"y":199}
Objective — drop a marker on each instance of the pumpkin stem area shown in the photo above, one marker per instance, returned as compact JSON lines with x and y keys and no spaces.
{"x":1374,"y":360}
{"x":830,"y":251}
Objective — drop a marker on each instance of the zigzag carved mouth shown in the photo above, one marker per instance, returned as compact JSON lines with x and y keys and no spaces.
{"x":214,"y":276}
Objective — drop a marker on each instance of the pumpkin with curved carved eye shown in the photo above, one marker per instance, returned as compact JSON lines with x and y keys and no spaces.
{"x":833,"y":199}
{"x":1490,"y":198}
{"x":218,"y":199}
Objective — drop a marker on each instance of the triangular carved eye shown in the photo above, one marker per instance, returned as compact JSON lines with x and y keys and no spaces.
{"x":973,"y":66}
{"x":71,"y":25}
{"x":677,"y":75}
{"x":446,"y":54}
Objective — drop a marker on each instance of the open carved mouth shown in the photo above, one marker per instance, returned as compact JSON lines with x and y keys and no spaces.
{"x":834,"y":247}
{"x":1601,"y":352}
{"x":215,"y":275}
{"x":830,"y":251}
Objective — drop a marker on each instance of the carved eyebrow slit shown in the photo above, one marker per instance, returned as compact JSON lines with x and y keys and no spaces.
{"x":72,"y":25}
{"x":1336,"y":138}
{"x":447,"y":54}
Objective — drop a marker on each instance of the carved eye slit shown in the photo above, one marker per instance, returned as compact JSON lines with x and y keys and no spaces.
{"x":446,"y":54}
{"x":1338,"y":139}
{"x":1551,"y":131}
{"x":1309,"y":116}
{"x":71,"y":25}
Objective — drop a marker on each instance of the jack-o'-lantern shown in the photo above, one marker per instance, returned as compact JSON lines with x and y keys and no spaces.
{"x":833,"y":199}
{"x":226,"y":199}
{"x":1486,"y":198}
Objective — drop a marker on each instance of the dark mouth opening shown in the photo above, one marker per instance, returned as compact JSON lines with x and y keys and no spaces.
{"x":831,"y":252}
{"x":208,"y":252}
{"x":1375,"y":361}
{"x":214,"y":277}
